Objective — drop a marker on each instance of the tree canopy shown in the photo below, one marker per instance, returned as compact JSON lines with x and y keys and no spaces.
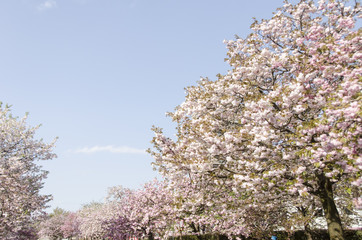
{"x":285,"y":121}
{"x":21,"y":178}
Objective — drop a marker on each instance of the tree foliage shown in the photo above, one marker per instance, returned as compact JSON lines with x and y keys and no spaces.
{"x":21,"y":178}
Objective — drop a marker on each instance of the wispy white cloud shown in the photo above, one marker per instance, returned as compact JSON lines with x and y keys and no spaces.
{"x":48,"y":4}
{"x":111,"y":149}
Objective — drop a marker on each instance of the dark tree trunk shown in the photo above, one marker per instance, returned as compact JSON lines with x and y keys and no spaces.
{"x":333,"y":219}
{"x":196,"y":230}
{"x":150,"y":236}
{"x":308,"y":232}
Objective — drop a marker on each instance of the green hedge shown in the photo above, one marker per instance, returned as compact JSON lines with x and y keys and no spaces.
{"x":319,"y":235}
{"x":299,"y":235}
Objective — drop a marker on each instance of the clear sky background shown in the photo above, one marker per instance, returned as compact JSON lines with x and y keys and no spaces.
{"x":99,"y":73}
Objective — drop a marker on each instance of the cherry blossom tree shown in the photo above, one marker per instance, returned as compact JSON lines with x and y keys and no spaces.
{"x":70,"y":227}
{"x":21,"y":178}
{"x":204,"y":207}
{"x":147,"y":211}
{"x":59,"y":224}
{"x":51,"y":226}
{"x":211,"y":205}
{"x":91,"y":218}
{"x":119,"y":228}
{"x":286,"y":119}
{"x":119,"y":225}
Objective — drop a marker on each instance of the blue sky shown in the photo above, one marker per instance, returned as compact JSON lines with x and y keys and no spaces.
{"x":99,"y":73}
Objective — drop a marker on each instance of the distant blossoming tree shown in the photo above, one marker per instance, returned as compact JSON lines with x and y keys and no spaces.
{"x":119,"y":228}
{"x":70,"y":227}
{"x":91,"y":218}
{"x":51,"y":226}
{"x":286,"y":120}
{"x":145,"y":212}
{"x":59,"y":224}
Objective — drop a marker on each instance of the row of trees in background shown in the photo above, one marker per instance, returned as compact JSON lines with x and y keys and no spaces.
{"x":274,"y":144}
{"x":160,"y":211}
{"x":146,"y":212}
